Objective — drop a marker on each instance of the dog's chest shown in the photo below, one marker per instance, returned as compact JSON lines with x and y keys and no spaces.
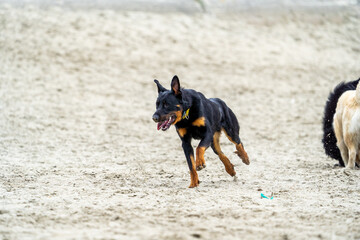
{"x":197,"y":132}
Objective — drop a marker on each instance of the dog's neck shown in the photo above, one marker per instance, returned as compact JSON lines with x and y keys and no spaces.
{"x":186,"y":114}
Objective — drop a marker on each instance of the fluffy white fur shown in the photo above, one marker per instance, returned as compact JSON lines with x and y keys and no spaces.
{"x":347,"y":126}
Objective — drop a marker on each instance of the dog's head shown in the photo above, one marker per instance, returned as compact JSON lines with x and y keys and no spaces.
{"x":168,"y":105}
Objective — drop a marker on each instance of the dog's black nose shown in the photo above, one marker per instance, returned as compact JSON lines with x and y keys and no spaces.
{"x":156,"y":117}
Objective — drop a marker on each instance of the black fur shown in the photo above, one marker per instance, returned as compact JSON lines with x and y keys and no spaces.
{"x":329,"y":139}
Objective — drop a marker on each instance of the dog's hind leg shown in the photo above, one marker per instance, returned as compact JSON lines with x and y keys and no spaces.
{"x":230,"y":126}
{"x":353,"y":151}
{"x":215,"y":145}
{"x":344,"y":152}
{"x":235,"y":139}
{"x":339,"y":139}
{"x":352,"y":158}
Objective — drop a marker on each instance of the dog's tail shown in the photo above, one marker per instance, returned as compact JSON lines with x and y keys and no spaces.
{"x":329,"y":138}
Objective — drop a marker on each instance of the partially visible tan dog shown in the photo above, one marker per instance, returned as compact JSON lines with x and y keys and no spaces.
{"x":347,"y":126}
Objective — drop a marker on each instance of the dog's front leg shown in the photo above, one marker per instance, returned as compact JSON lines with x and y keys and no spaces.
{"x":200,"y":151}
{"x":189,"y":154}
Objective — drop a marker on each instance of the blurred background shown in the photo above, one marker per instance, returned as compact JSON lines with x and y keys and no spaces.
{"x":185,"y":5}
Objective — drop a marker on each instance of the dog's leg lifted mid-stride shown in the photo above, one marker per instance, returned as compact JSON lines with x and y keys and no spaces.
{"x":196,"y":117}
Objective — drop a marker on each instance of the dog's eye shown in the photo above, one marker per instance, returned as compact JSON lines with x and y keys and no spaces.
{"x":165,"y":104}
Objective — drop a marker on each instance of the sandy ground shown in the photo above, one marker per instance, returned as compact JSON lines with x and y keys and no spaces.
{"x":186,"y":6}
{"x":81,"y":158}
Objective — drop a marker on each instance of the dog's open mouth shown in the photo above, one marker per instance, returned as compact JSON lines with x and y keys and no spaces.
{"x":165,"y":125}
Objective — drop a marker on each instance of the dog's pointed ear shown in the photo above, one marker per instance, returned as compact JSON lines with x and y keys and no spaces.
{"x":175,"y":86}
{"x":159,"y":86}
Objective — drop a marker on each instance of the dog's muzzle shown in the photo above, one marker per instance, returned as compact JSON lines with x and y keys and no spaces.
{"x":156,"y":117}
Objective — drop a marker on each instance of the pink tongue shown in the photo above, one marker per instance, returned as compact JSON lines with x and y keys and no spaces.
{"x":161,"y":124}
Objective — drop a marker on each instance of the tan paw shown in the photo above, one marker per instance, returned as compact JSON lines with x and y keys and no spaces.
{"x":200,"y":167}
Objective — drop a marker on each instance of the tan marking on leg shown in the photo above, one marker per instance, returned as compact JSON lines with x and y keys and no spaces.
{"x":200,"y":161}
{"x":228,"y":165}
{"x":200,"y":122}
{"x":242,"y":154}
{"x":193,"y":174}
{"x":240,"y":151}
{"x":182,"y":132}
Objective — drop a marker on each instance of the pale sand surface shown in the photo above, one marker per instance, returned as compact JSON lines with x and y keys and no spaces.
{"x":81,"y":158}
{"x":188,"y":6}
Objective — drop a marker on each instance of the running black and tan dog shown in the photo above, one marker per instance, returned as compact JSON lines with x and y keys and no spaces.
{"x":195,"y":116}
